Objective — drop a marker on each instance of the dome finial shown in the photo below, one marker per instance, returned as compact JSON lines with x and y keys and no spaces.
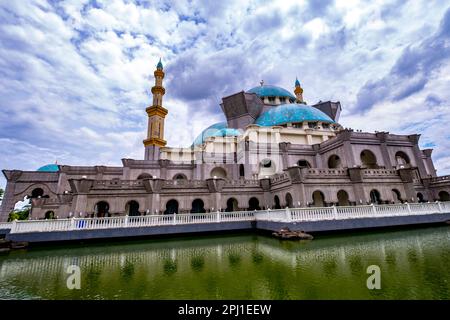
{"x":298,"y":91}
{"x":159,"y":66}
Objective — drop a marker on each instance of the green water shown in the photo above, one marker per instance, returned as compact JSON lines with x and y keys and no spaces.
{"x":414,"y":264}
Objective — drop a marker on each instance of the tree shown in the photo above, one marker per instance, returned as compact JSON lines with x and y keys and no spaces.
{"x":19,"y":215}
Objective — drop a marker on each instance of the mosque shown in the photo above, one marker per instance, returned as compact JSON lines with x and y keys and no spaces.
{"x":273,"y":151}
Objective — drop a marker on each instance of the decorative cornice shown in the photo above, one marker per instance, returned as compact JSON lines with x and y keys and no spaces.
{"x":159,"y":73}
{"x":12,"y":175}
{"x":156,"y":111}
{"x":158,"y":89}
{"x":298,"y":90}
{"x":154,"y":142}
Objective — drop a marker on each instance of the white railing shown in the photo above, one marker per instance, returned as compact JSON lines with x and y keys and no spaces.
{"x":5,"y":225}
{"x":281,"y":215}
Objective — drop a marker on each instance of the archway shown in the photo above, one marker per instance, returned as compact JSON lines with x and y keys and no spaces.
{"x":102,"y":209}
{"x":289,"y":200}
{"x":318,"y":199}
{"x":179,"y":176}
{"x":444,"y":196}
{"x":50,"y":215}
{"x":342,"y":196}
{"x":132,"y":208}
{"x":171,"y":207}
{"x":241,"y":170}
{"x":266,"y":168}
{"x":276,"y":204}
{"x":253,"y":204}
{"x":420,"y":197}
{"x":368,"y":159}
{"x":37,"y":193}
{"x":232,"y":205}
{"x":303,"y":163}
{"x":198,"y":206}
{"x":218,"y":172}
{"x":334,"y":162}
{"x":375,"y":196}
{"x":144,"y":176}
{"x":401,"y":158}
{"x":397,"y":196}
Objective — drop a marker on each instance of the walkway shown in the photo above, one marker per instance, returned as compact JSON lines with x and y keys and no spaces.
{"x":307,"y":219}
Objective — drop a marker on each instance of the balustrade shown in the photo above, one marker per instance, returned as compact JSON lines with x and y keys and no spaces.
{"x":281,"y":215}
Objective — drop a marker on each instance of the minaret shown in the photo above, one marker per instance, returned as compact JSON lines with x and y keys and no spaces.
{"x":298,"y":92}
{"x":156,"y":114}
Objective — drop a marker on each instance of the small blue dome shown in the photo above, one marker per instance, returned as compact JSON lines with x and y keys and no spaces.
{"x":159,"y":65}
{"x":291,"y":113}
{"x":271,"y":91}
{"x":216,"y":130}
{"x":49,"y":168}
{"x":297,"y":83}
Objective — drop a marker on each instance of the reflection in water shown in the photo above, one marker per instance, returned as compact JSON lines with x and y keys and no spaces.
{"x":414,"y":264}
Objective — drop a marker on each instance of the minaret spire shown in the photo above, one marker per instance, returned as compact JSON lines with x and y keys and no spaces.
{"x":156,"y":115}
{"x":298,"y":91}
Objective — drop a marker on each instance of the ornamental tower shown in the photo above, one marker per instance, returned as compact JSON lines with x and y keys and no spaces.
{"x":298,"y":91}
{"x":156,"y":114}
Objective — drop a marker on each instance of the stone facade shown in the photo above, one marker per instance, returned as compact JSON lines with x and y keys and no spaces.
{"x":296,"y":164}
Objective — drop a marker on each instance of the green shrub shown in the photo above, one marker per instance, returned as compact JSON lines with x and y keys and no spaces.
{"x":19,"y":215}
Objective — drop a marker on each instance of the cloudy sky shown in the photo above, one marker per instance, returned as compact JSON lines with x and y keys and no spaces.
{"x":76,"y":74}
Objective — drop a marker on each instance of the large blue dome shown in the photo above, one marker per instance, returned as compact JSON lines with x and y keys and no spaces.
{"x":216,"y":130}
{"x":271,"y":91}
{"x":49,"y":168}
{"x":291,"y":113}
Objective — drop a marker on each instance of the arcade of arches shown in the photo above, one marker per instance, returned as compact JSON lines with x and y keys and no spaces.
{"x":102,"y":208}
{"x":368,"y":159}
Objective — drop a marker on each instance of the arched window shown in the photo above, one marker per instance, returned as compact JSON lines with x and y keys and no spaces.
{"x":368,"y":159}
{"x":318,"y":199}
{"x":276,"y":204}
{"x":266,"y":163}
{"x":241,"y":170}
{"x":218,"y":172}
{"x":266,"y":168}
{"x":144,"y":176}
{"x":289,"y":201}
{"x":198,"y":206}
{"x":132,"y":208}
{"x":253,"y":204}
{"x":342,"y":196}
{"x":232,"y":205}
{"x":37,"y":193}
{"x":397,"y":195}
{"x":334,"y":162}
{"x":179,"y":176}
{"x":420,"y":197}
{"x":401,"y":158}
{"x":375,"y":196}
{"x":171,"y":207}
{"x":303,"y":164}
{"x":444,"y":196}
{"x":102,"y":209}
{"x":50,"y":215}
